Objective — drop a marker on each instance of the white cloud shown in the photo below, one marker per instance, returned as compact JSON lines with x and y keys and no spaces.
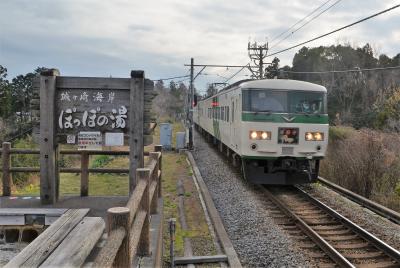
{"x":100,"y":37}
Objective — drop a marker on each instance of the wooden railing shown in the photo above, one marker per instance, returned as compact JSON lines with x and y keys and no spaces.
{"x":7,"y":151}
{"x":129,"y":227}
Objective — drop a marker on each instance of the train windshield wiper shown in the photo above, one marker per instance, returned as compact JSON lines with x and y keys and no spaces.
{"x":262,"y":111}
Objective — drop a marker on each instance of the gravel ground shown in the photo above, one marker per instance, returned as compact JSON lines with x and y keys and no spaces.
{"x":258,"y":241}
{"x":382,"y":228}
{"x":9,"y":251}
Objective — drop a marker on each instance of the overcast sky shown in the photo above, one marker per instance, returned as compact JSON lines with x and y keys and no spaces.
{"x":111,"y":37}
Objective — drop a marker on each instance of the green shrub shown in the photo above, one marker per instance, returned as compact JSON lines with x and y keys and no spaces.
{"x":101,"y":160}
{"x":24,"y":160}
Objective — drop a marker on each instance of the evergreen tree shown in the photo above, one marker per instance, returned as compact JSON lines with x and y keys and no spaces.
{"x":272,"y":71}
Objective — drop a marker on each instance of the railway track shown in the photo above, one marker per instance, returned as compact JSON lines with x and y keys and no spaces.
{"x":375,"y":207}
{"x":328,"y":237}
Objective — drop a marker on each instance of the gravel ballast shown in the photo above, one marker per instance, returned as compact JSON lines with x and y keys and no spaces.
{"x":258,"y":241}
{"x":380,"y":227}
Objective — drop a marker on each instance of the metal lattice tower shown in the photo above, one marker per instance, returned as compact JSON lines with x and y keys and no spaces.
{"x":257,"y":54}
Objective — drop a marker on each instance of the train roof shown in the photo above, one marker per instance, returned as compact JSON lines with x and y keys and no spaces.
{"x":282,"y":84}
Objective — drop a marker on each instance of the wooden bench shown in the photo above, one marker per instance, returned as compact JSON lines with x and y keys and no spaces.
{"x":65,"y":243}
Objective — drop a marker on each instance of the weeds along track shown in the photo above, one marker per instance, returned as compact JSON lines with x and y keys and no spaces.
{"x":326,"y":235}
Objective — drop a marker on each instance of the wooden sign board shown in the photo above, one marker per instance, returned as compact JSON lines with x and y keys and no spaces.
{"x":89,"y":111}
{"x":91,"y":104}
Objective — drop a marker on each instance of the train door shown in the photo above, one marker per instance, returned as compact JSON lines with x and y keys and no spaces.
{"x":232,"y":123}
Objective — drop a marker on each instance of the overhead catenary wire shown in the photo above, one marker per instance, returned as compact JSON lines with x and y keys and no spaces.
{"x":241,"y":69}
{"x":299,"y":21}
{"x":344,"y":71}
{"x":304,"y":24}
{"x":170,"y":78}
{"x":337,"y":30}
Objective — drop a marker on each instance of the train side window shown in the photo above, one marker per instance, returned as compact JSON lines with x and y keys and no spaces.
{"x":227,"y":113}
{"x":223,"y":113}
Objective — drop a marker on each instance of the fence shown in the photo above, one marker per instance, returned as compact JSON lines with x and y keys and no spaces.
{"x":129,"y":227}
{"x":7,"y":151}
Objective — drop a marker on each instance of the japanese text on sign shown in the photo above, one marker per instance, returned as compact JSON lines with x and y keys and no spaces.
{"x":103,"y":110}
{"x":93,"y":118}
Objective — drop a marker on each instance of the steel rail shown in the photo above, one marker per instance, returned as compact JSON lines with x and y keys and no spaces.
{"x":375,"y":207}
{"x":322,"y":243}
{"x":395,"y":254}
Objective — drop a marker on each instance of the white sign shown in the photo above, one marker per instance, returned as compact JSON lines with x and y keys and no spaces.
{"x":71,"y":139}
{"x":114,"y":139}
{"x":90,"y":140}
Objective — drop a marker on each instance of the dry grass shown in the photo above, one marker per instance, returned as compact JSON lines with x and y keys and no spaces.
{"x":365,"y":162}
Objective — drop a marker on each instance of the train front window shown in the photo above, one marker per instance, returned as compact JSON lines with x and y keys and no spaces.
{"x":284,"y":101}
{"x":306,"y":102}
{"x":255,"y":100}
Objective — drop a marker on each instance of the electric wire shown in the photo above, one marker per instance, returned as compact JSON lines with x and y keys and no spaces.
{"x":170,"y":78}
{"x":291,"y":27}
{"x":306,"y":23}
{"x":337,"y":30}
{"x":344,"y":71}
{"x":241,"y":69}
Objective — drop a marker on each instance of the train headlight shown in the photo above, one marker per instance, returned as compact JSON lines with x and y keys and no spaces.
{"x":260,"y":135}
{"x":318,"y":136}
{"x":314,"y":136}
{"x":253,"y":135}
{"x":264,"y":135}
{"x":309,"y":136}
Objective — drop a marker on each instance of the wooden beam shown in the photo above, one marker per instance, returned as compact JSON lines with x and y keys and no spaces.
{"x":200,"y":259}
{"x":44,"y":245}
{"x":136,"y":230}
{"x":89,"y":82}
{"x":158,"y":148}
{"x":143,"y":174}
{"x":48,"y":143}
{"x":75,"y":248}
{"x":134,"y":201}
{"x":84,"y":174}
{"x":6,"y":163}
{"x":119,"y":217}
{"x":136,"y":111}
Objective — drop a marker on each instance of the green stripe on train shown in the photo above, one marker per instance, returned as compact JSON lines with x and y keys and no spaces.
{"x":286,"y":118}
{"x":216,"y":129}
{"x":250,"y":157}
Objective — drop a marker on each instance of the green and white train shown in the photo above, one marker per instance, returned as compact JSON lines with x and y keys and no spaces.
{"x":276,"y":129}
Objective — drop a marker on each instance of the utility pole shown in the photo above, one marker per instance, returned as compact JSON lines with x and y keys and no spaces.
{"x":191,"y":99}
{"x":257,"y":53}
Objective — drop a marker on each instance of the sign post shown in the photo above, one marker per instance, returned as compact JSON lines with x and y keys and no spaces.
{"x":90,"y":112}
{"x":49,"y":180}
